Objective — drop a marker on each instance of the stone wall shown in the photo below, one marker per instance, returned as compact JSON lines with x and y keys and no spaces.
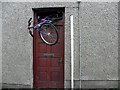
{"x":99,"y":43}
{"x":95,"y":43}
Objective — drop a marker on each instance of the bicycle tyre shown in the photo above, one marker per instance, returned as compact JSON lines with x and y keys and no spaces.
{"x":48,"y":29}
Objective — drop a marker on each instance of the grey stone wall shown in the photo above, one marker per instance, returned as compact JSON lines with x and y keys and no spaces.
{"x":119,"y":44}
{"x":0,"y":45}
{"x":95,"y":43}
{"x":99,"y":43}
{"x":16,"y":45}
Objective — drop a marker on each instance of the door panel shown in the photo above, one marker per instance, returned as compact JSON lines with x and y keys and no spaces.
{"x":48,"y":64}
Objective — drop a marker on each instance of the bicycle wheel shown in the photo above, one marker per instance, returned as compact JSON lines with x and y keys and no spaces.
{"x":48,"y":33}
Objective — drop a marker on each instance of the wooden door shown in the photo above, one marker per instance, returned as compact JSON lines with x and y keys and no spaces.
{"x":48,"y":63}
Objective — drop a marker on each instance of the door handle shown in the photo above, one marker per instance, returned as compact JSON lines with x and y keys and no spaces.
{"x":60,"y":60}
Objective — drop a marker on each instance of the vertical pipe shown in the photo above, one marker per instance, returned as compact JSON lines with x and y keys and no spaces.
{"x":1,"y":45}
{"x":72,"y":52}
{"x":79,"y":1}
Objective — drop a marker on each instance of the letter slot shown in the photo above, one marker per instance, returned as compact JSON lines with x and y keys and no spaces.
{"x":48,"y":55}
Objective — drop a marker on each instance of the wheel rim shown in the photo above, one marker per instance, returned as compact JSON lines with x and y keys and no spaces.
{"x":49,"y":34}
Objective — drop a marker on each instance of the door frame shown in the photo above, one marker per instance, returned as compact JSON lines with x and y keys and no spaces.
{"x":35,"y":10}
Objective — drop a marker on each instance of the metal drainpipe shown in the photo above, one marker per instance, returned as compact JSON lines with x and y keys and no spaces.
{"x":72,"y":47}
{"x":79,"y":1}
{"x":72,"y":52}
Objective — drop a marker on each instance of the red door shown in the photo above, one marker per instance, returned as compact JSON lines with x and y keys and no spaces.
{"x":48,"y":63}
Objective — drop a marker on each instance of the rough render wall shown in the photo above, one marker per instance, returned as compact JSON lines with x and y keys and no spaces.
{"x":0,"y":45}
{"x":71,"y":11}
{"x":99,"y":41}
{"x":68,"y":42}
{"x":17,"y":45}
{"x":97,"y":53}
{"x":119,"y":43}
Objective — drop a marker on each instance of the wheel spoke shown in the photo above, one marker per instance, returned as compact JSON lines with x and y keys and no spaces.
{"x":49,"y":34}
